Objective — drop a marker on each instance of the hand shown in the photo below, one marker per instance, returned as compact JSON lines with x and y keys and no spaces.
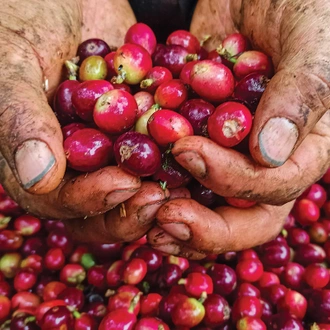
{"x":290,"y":139}
{"x":34,"y":43}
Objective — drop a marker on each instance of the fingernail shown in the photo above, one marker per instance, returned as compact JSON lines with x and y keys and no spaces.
{"x":119,"y":196}
{"x":169,"y":249}
{"x":193,"y":162}
{"x":33,"y":161}
{"x":277,"y":140}
{"x":147,"y":213}
{"x":158,"y":237}
{"x":178,"y":230}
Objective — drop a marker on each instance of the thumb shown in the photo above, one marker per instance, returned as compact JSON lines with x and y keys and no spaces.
{"x":292,"y":104}
{"x":298,"y":95}
{"x":30,"y":135}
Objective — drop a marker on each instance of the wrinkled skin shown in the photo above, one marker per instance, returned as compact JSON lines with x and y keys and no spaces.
{"x":287,"y":155}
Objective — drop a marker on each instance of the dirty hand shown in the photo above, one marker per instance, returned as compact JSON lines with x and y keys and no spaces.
{"x":36,"y":37}
{"x":290,"y":139}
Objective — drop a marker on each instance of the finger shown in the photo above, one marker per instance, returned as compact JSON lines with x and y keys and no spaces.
{"x":298,"y":95}
{"x":96,"y":22}
{"x":218,"y":231}
{"x":77,"y":195}
{"x":166,"y":243}
{"x":212,"y":22}
{"x":129,"y":221}
{"x":31,"y":140}
{"x":290,"y":107}
{"x":231,"y":174}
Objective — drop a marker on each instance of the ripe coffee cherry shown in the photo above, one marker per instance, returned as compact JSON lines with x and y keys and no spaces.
{"x":197,"y":283}
{"x":69,"y":129}
{"x":155,"y":77}
{"x":171,"y":172}
{"x":197,"y":111}
{"x":230,"y":123}
{"x":186,"y":71}
{"x":63,"y":107}
{"x":253,"y":61}
{"x":316,"y":275}
{"x":188,"y":312}
{"x":171,"y":94}
{"x":88,"y":150}
{"x":294,"y":303}
{"x":141,"y":34}
{"x":184,"y":39}
{"x":246,"y":306}
{"x":115,"y":111}
{"x":57,"y":316}
{"x":234,"y":45}
{"x":110,"y":66}
{"x":92,"y":47}
{"x":249,"y":270}
{"x":137,"y":154}
{"x":167,"y":126}
{"x":172,"y":57}
{"x":274,"y":254}
{"x":250,"y":89}
{"x":144,"y":101}
{"x":217,"y":310}
{"x":306,"y":211}
{"x":212,"y":81}
{"x":131,"y":62}
{"x":85,"y":96}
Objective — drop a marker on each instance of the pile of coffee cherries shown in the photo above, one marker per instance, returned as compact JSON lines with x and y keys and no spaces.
{"x":48,"y":281}
{"x":126,"y":108}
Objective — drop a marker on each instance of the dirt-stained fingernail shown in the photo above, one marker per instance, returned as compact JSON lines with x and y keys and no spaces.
{"x":148,"y":212}
{"x":169,"y":248}
{"x":157,"y":236}
{"x":178,"y":230}
{"x":33,"y":160}
{"x":277,"y":140}
{"x":193,"y":162}
{"x":119,"y":196}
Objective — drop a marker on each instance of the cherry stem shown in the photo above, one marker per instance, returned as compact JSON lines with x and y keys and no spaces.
{"x":5,"y":325}
{"x":191,"y":57}
{"x":134,"y":302}
{"x":87,"y":260}
{"x":29,"y":319}
{"x":284,"y":232}
{"x":163,"y":185}
{"x":202,"y":297}
{"x":146,"y":83}
{"x":109,"y":293}
{"x":146,"y":287}
{"x":223,"y":52}
{"x":76,"y":314}
{"x":118,"y":79}
{"x":72,"y":69}
{"x":182,"y":281}
{"x":156,"y":106}
{"x":121,"y":76}
{"x":4,"y":220}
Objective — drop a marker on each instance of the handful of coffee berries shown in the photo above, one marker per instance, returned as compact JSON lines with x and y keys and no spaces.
{"x":128,"y":106}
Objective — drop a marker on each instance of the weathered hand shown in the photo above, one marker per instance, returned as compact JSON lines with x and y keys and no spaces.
{"x":36,"y":37}
{"x":290,"y":139}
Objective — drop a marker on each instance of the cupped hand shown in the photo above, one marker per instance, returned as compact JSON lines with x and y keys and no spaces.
{"x":290,"y":138}
{"x":36,"y":37}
